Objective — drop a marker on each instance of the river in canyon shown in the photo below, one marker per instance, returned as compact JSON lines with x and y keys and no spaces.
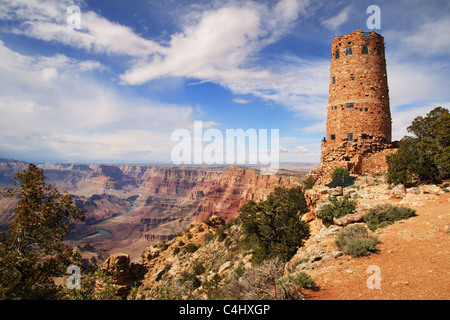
{"x":104,"y":232}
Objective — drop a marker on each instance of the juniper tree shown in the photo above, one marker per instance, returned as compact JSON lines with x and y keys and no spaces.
{"x":273,"y":227}
{"x":32,"y":251}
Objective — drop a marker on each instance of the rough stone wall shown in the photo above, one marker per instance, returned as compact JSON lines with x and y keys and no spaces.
{"x":360,"y":156}
{"x":359,"y":79}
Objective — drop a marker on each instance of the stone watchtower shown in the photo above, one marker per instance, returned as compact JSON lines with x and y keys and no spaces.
{"x":358,"y":134}
{"x":358,"y":103}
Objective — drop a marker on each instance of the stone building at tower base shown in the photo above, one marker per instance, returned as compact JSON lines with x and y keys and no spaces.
{"x":359,"y":157}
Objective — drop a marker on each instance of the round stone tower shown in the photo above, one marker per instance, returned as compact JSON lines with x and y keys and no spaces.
{"x":358,"y":103}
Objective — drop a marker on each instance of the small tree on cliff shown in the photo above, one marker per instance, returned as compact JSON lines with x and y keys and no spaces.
{"x":33,"y":251}
{"x":426,"y":155}
{"x":273,"y":227}
{"x":339,"y":172}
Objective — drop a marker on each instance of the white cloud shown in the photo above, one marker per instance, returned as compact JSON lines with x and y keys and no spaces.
{"x":298,"y":154}
{"x":417,"y":73}
{"x":298,"y":149}
{"x":47,"y":20}
{"x":217,"y":43}
{"x":240,"y":101}
{"x":201,"y":52}
{"x":336,"y":21}
{"x":436,"y":34}
{"x":53,"y":108}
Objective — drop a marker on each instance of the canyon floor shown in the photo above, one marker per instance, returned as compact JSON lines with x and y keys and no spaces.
{"x":413,"y":259}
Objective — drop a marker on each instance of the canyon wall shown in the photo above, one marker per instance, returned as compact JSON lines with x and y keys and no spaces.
{"x":135,"y":205}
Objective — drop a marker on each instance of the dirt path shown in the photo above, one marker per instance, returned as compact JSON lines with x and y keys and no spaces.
{"x":413,"y":261}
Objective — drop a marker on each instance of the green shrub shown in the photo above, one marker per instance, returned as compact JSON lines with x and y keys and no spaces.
{"x":354,"y":240}
{"x":302,"y":280}
{"x":191,"y":248}
{"x":339,"y":172}
{"x":335,"y":209}
{"x":198,"y":268}
{"x":309,"y":183}
{"x":360,"y":247}
{"x":424,"y":156}
{"x":386,"y":214}
{"x":273,"y":228}
{"x":222,"y":233}
{"x":208,"y":222}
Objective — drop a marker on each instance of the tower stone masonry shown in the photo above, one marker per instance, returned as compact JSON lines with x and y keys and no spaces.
{"x":358,"y":103}
{"x":359,"y":125}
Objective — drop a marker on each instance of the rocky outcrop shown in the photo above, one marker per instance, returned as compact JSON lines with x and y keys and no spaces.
{"x":318,"y":249}
{"x":122,"y":273}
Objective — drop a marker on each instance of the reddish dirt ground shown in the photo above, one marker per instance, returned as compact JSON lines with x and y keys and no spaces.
{"x":413,"y":260}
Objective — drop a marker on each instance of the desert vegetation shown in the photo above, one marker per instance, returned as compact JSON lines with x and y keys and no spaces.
{"x":383,"y":215}
{"x":354,"y":240}
{"x":273,"y":227}
{"x":32,"y":251}
{"x":424,"y":156}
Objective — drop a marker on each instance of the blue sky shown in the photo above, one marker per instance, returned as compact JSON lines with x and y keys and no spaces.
{"x":115,"y":90}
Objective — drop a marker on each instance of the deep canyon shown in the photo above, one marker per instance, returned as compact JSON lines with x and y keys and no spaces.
{"x":130,"y":206}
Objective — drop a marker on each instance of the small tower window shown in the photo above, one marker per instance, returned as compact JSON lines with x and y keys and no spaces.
{"x":333,"y":80}
{"x":364,"y":50}
{"x":352,"y":78}
{"x":336,"y":54}
{"x":360,"y":109}
{"x":379,"y":51}
{"x":350,"y":105}
{"x":333,"y":137}
{"x":348,"y":51}
{"x":350,"y":137}
{"x":366,"y":109}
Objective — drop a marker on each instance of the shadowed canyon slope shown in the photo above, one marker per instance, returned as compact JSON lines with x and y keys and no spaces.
{"x":130,"y":206}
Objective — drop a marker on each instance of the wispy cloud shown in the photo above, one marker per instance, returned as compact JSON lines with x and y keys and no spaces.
{"x":53,"y":108}
{"x":47,"y":20}
{"x":240,"y":101}
{"x":336,"y":21}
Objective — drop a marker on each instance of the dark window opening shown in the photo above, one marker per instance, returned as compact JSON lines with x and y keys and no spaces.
{"x":366,"y":109}
{"x":360,"y":109}
{"x":364,"y":50}
{"x":379,"y":52}
{"x":348,"y":51}
{"x":350,"y":105}
{"x":333,"y":80}
{"x":333,"y":137}
{"x":350,"y":137}
{"x":336,"y":54}
{"x":352,"y":78}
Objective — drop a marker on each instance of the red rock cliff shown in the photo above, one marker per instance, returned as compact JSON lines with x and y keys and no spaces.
{"x":235,"y":187}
